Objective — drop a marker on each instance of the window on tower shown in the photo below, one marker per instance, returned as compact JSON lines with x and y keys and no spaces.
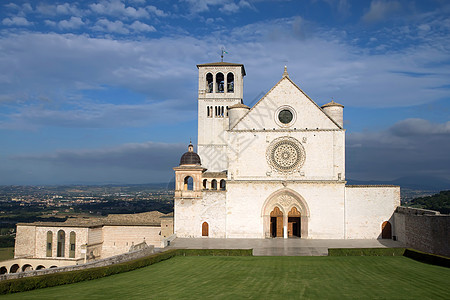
{"x":209,"y":83}
{"x":220,"y":82}
{"x":230,"y":83}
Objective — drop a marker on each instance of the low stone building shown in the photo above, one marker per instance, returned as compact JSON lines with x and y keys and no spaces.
{"x":77,"y":240}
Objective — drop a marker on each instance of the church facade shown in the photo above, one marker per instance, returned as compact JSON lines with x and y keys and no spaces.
{"x":276,"y":169}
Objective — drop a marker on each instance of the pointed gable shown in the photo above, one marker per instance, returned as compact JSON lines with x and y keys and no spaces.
{"x":285,"y":94}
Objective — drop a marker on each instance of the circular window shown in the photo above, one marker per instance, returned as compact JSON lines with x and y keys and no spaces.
{"x":285,"y":116}
{"x":285,"y":155}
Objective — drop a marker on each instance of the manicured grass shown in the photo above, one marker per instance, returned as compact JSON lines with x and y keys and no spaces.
{"x":6,"y":253}
{"x":208,"y":277}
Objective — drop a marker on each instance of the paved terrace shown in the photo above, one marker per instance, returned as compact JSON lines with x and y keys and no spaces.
{"x":280,"y":246}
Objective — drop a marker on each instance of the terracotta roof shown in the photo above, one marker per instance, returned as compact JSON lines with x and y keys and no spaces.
{"x":239,"y":105}
{"x":332,"y":103}
{"x":151,"y":218}
{"x":214,"y":174}
{"x":221,"y":63}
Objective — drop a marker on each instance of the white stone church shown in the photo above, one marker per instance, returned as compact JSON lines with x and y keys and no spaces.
{"x":276,"y":169}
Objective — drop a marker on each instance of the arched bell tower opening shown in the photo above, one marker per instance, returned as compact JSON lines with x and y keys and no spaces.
{"x":285,"y":214}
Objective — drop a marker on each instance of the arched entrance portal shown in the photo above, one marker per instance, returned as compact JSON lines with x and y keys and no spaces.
{"x":276,"y":222}
{"x":285,"y":214}
{"x":294,"y":223}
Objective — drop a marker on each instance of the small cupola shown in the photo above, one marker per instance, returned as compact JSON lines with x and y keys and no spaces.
{"x":190,"y":157}
{"x":335,"y":111}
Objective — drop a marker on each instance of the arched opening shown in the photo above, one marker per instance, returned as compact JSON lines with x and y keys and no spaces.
{"x":386,"y":230}
{"x":209,"y":83}
{"x":276,"y":222}
{"x":49,"y":243}
{"x":14,"y":268}
{"x":52,"y":267}
{"x":284,"y":200}
{"x":294,"y":224}
{"x":73,"y":238}
{"x":26,"y":268}
{"x":205,"y":229}
{"x":61,"y":243}
{"x":214,"y":184}
{"x":222,"y":184}
{"x":220,"y":82}
{"x":230,"y":83}
{"x":188,"y":183}
{"x":205,"y":184}
{"x":3,"y":270}
{"x":40,"y":267}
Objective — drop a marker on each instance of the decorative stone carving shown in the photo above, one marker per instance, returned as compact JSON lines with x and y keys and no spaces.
{"x":285,"y":155}
{"x":286,"y":200}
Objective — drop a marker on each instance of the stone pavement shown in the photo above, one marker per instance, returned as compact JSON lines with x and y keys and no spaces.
{"x":280,"y":246}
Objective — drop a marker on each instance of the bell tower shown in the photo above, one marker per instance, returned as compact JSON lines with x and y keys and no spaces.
{"x":220,"y":85}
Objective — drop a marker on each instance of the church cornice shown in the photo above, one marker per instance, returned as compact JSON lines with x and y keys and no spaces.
{"x":284,"y":130}
{"x":285,"y":182}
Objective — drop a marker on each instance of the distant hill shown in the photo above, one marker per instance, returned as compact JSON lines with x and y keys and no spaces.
{"x":439,"y":202}
{"x":431,"y":183}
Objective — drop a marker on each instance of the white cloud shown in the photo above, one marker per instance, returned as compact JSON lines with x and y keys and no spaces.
{"x":110,"y":26}
{"x":229,"y":7}
{"x":381,"y":9}
{"x":138,"y":26}
{"x":16,"y":21}
{"x":118,"y":9}
{"x":50,"y":23}
{"x":72,"y":23}
{"x":199,"y":6}
{"x":157,"y":12}
{"x":22,"y":10}
{"x":68,"y":9}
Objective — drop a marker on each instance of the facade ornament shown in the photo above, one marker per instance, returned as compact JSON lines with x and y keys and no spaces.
{"x":285,"y":200}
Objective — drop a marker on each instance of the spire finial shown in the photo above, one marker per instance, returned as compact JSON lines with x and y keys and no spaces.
{"x":223,"y":51}
{"x":285,"y":73}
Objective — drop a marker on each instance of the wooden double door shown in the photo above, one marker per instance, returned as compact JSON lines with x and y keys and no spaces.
{"x":277,"y":223}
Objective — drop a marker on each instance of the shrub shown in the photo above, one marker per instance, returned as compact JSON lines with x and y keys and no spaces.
{"x":366,"y":251}
{"x":428,"y":258}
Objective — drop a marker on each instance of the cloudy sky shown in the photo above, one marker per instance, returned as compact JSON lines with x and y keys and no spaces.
{"x":105,"y":91}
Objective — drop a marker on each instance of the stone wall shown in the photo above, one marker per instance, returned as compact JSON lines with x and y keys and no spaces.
{"x":98,"y":263}
{"x":424,"y":230}
{"x":119,"y":239}
{"x":25,"y":241}
{"x":367,"y":207}
{"x":191,"y":213}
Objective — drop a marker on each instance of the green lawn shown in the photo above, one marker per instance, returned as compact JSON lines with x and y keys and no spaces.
{"x":6,"y":253}
{"x":208,"y":277}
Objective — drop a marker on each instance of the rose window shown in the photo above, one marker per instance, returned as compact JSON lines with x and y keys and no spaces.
{"x":285,"y":155}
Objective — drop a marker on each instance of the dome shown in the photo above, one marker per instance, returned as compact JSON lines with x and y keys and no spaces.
{"x":332,"y":103}
{"x":190,"y":157}
{"x":239,"y":105}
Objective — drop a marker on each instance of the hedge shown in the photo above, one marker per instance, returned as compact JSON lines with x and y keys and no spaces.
{"x":60,"y":278}
{"x":366,"y":251}
{"x":428,"y":258}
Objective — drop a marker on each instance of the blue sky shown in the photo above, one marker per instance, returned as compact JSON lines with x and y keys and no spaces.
{"x":105,"y":91}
